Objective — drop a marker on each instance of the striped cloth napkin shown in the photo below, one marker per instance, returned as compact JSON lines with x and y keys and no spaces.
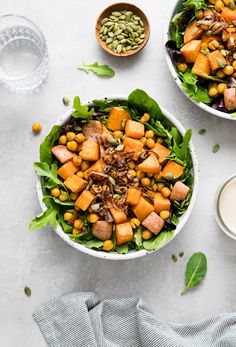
{"x":83,"y":320}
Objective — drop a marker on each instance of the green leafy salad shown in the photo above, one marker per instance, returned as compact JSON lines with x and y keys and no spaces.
{"x":116,"y":176}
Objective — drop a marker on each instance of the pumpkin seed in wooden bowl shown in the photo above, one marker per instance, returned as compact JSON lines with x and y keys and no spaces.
{"x":122,"y":29}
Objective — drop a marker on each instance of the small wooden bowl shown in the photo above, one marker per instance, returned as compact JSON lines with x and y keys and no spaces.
{"x":120,"y":7}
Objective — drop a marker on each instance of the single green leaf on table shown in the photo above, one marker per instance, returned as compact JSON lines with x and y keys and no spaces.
{"x":81,"y":111}
{"x":158,"y":241}
{"x":138,"y":237}
{"x":46,"y":145}
{"x":48,"y":217}
{"x":44,"y":170}
{"x":27,"y":291}
{"x":100,"y":70}
{"x":196,"y":270}
{"x":144,"y":103}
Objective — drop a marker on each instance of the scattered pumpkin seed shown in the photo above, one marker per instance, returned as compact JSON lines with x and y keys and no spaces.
{"x":181,"y":254}
{"x":202,"y":131}
{"x":112,"y":140}
{"x":66,"y":101}
{"x":232,"y":4}
{"x":221,"y":63}
{"x":120,"y":148}
{"x":223,"y":52}
{"x":234,"y":56}
{"x":215,"y":148}
{"x":27,"y":291}
{"x":195,"y":30}
{"x":95,"y":207}
{"x":174,"y":258}
{"x":111,"y":179}
{"x":208,"y":33}
{"x":89,"y":185}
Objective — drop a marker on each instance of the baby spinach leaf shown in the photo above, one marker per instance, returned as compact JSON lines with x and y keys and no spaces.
{"x":93,"y":243}
{"x":44,"y":170}
{"x":182,"y":150}
{"x":48,"y":217}
{"x":81,"y":111}
{"x":123,"y":249}
{"x":196,"y":270}
{"x":46,"y":145}
{"x":158,"y":241}
{"x":194,"y":5}
{"x":144,"y":103}
{"x":66,"y":227}
{"x":199,"y":95}
{"x":100,"y":70}
{"x":138,"y":237}
{"x":176,"y":30}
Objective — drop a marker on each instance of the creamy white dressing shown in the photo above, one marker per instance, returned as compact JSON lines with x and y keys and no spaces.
{"x":227,"y":205}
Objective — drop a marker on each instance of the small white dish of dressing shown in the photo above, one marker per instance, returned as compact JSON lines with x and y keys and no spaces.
{"x":225,"y":206}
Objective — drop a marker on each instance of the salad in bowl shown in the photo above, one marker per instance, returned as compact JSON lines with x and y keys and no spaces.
{"x":117,"y":178}
{"x":201,"y":47}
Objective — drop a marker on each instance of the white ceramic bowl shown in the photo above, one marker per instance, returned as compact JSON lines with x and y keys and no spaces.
{"x":131,"y":254}
{"x":178,"y":81}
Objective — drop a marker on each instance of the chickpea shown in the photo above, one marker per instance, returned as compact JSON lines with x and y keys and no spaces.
{"x":165,"y":192}
{"x":70,"y":136}
{"x":55,"y":192}
{"x":149,"y":174}
{"x":92,"y":218}
{"x":80,"y":154}
{"x":75,"y":231}
{"x":160,"y":186}
{"x":147,"y":234}
{"x":80,"y":174}
{"x":228,"y":70}
{"x":221,"y":88}
{"x":234,"y":64}
{"x":78,"y":224}
{"x":212,"y":92}
{"x":150,"y":143}
{"x":73,"y":196}
{"x":199,"y":14}
{"x":79,"y":138}
{"x":220,"y":73}
{"x":234,"y":75}
{"x":132,"y":173}
{"x":134,"y":222}
{"x":154,"y":187}
{"x":72,"y":146}
{"x":62,"y":140}
{"x":149,"y":134}
{"x":182,"y":67}
{"x":84,"y":165}
{"x":213,"y":2}
{"x":211,"y":46}
{"x":145,"y":118}
{"x":68,"y":216}
{"x":226,"y":2}
{"x":215,"y":44}
{"x":157,"y":176}
{"x":132,"y":165}
{"x":108,"y":245}
{"x":204,"y":46}
{"x":143,"y":140}
{"x":77,"y":160}
{"x":118,"y":134}
{"x":165,"y":214}
{"x":145,"y":181}
{"x":36,"y":128}
{"x":64,"y":196}
{"x":140,"y":174}
{"x":160,"y":140}
{"x":219,"y":6}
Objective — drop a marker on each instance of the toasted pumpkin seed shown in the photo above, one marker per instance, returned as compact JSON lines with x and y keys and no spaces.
{"x":105,"y":30}
{"x":108,"y":24}
{"x":120,"y":37}
{"x":232,"y":4}
{"x":122,"y":17}
{"x":110,"y":29}
{"x":115,"y":44}
{"x":119,"y":48}
{"x":215,"y":148}
{"x":141,"y":23}
{"x":129,"y":29}
{"x":142,"y":36}
{"x":134,"y":47}
{"x":104,"y":21}
{"x":109,"y":40}
{"x":128,"y":48}
{"x":118,"y":32}
{"x":122,"y":26}
{"x":220,"y":62}
{"x":110,"y":34}
{"x":202,"y":131}
{"x":123,"y":41}
{"x":116,"y":13}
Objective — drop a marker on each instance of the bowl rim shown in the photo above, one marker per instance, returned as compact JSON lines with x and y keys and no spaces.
{"x":142,"y":252}
{"x":175,"y":76}
{"x":132,"y":52}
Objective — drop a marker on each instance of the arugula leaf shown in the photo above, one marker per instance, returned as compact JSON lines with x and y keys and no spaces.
{"x":59,"y":202}
{"x":176,"y":33}
{"x":212,"y":78}
{"x":144,"y":103}
{"x":194,"y":5}
{"x":81,"y":111}
{"x":48,"y":217}
{"x":46,"y":145}
{"x":93,"y":243}
{"x":44,"y":170}
{"x":196,"y":270}
{"x":159,"y":241}
{"x":123,"y":249}
{"x":138,"y":237}
{"x":100,"y":70}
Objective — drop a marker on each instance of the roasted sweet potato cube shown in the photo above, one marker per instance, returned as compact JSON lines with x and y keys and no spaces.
{"x":124,"y":233}
{"x":173,"y":168}
{"x":62,"y":153}
{"x":154,"y":223}
{"x":230,"y":99}
{"x":201,"y":66}
{"x":150,"y":165}
{"x":90,"y":150}
{"x":67,"y":170}
{"x":102,"y":230}
{"x":179,"y":191}
{"x":191,"y":50}
{"x":75,"y":184}
{"x":92,"y":129}
{"x":162,"y":152}
{"x":132,"y":145}
{"x":228,"y":15}
{"x":161,"y":203}
{"x":133,"y":196}
{"x":118,"y":215}
{"x":99,"y":166}
{"x":117,"y":118}
{"x":216,"y":60}
{"x":207,"y":39}
{"x":84,"y":200}
{"x":134,"y":129}
{"x":192,"y":32}
{"x":142,"y":209}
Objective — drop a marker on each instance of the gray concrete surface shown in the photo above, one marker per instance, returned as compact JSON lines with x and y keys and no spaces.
{"x":41,"y":259}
